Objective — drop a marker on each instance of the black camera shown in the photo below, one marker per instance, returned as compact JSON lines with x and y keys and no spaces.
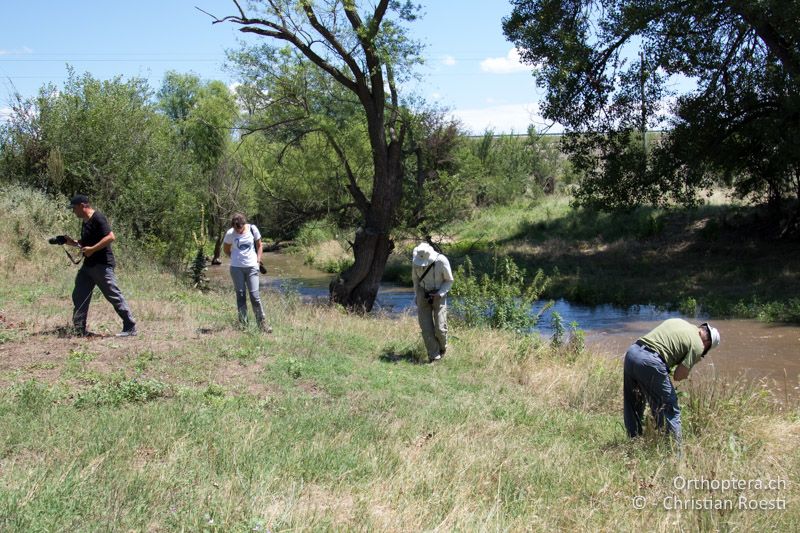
{"x":58,"y":239}
{"x":429,"y":296}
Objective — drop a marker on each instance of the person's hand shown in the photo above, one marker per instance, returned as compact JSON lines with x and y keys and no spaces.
{"x":437,"y":299}
{"x":87,"y":251}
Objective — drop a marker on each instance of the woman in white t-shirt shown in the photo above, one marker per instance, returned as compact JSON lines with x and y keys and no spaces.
{"x":242,"y":243}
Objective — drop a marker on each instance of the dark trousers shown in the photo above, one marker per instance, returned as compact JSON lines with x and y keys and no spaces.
{"x":647,"y":379}
{"x":101,"y":276}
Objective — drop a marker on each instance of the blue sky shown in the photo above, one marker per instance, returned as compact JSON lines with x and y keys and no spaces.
{"x":470,"y":67}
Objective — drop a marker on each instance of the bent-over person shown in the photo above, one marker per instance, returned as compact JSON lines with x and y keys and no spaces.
{"x":673,"y":344}
{"x":432,"y":279}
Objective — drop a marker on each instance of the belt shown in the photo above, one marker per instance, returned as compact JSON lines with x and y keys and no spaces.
{"x":647,"y":348}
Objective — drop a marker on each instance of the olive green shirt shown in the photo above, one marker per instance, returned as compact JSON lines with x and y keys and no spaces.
{"x":677,"y":341}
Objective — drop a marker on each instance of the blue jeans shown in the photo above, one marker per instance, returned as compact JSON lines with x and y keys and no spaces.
{"x":101,"y":276}
{"x":245,"y":281}
{"x":647,"y":379}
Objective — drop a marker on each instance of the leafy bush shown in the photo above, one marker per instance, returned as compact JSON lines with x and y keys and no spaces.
{"x":502,"y":300}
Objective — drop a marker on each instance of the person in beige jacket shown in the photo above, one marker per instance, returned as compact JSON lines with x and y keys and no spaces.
{"x":432,"y":279}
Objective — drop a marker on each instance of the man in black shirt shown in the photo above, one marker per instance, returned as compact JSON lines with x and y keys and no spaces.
{"x":97,"y":269}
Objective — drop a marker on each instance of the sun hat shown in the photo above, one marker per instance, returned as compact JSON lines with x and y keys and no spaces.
{"x":713,"y":333}
{"x":423,"y":255}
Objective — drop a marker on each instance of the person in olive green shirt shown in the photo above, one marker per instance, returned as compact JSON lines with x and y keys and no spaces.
{"x":673,"y":344}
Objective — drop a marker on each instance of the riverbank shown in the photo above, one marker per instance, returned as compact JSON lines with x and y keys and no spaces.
{"x":714,"y":260}
{"x":329,"y":424}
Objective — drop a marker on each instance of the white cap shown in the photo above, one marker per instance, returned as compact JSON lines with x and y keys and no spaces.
{"x":713,"y":333}
{"x":423,"y":254}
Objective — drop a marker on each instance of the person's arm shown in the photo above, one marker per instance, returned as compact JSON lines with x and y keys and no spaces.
{"x":681,"y":373}
{"x":71,"y":241}
{"x":447,"y":276}
{"x":259,"y":250}
{"x":105,"y":241}
{"x":226,"y":247}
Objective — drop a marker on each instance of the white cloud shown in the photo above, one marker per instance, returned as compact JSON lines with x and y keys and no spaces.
{"x":16,"y":51}
{"x":505,"y":65}
{"x":5,"y":112}
{"x":449,"y":60}
{"x":436,"y":96}
{"x":503,"y":119}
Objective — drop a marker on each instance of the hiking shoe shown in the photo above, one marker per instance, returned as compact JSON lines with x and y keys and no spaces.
{"x":130,"y":332}
{"x":265,"y":328}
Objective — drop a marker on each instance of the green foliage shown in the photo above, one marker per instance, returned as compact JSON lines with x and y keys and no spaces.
{"x":294,"y":368}
{"x":503,"y":300}
{"x":32,"y":397}
{"x":557,"y":323}
{"x":315,"y":232}
{"x":105,"y":139}
{"x":730,"y":130}
{"x":119,"y":390}
{"x":577,"y":341}
{"x":689,"y":306}
{"x":198,"y":270}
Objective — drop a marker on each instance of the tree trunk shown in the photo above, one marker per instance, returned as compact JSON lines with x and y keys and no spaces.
{"x":357,"y":287}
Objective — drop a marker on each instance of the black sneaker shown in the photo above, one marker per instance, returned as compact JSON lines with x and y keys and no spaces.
{"x":127,"y":332}
{"x":436,"y":357}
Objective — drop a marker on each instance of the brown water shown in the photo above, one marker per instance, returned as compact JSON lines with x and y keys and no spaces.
{"x":768,"y":354}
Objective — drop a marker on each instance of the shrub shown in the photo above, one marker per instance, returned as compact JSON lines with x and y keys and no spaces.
{"x":502,"y":300}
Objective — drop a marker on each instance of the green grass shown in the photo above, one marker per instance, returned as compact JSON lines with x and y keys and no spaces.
{"x":328,"y":424}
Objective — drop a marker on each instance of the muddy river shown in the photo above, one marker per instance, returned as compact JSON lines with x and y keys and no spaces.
{"x":768,"y":354}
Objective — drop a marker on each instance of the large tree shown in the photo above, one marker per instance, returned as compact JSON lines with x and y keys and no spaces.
{"x":363,"y":50}
{"x":205,"y":115}
{"x":607,"y":67}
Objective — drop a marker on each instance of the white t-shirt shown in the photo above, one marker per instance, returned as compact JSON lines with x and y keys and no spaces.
{"x":243,"y":250}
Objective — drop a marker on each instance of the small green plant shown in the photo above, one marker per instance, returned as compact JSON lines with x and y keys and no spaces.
{"x":80,"y":356}
{"x":577,"y":341}
{"x":32,"y":397}
{"x":75,"y":366}
{"x":25,"y":245}
{"x":143,"y":360}
{"x":558,"y":330}
{"x":214,"y":392}
{"x":6,"y":336}
{"x":198,"y":268}
{"x":294,"y":368}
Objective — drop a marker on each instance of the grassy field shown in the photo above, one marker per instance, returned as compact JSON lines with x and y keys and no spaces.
{"x":715,"y":258}
{"x":329,"y":424}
